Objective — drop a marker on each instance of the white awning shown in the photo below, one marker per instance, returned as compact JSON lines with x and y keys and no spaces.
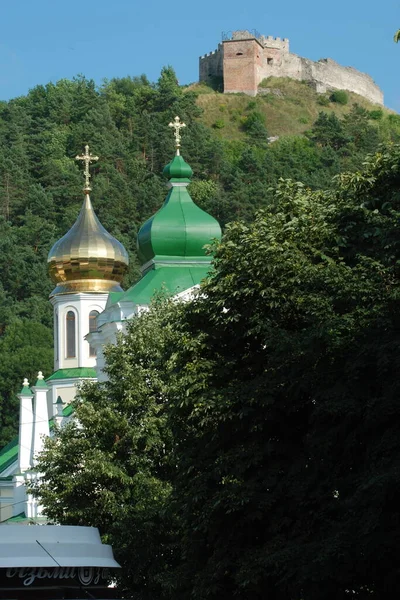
{"x":52,"y":546}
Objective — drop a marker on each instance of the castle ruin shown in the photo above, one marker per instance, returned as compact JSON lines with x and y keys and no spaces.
{"x":244,"y":59}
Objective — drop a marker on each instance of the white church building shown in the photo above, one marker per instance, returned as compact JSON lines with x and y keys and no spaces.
{"x":87,"y":266}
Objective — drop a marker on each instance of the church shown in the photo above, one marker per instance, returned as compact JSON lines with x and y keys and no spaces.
{"x":90,"y":308}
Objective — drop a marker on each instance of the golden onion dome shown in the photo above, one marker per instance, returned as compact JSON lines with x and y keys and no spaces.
{"x":87,"y":258}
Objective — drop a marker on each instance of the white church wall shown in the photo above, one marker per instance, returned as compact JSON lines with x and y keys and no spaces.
{"x":67,"y":391}
{"x":19,"y":495}
{"x":41,"y":418}
{"x":26,"y":422}
{"x":106,"y":334}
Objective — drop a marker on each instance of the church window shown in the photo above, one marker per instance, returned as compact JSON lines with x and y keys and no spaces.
{"x":71,"y":334}
{"x":92,"y":327}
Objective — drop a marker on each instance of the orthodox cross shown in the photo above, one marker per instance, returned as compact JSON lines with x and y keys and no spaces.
{"x":177,"y":125}
{"x":87,"y":158}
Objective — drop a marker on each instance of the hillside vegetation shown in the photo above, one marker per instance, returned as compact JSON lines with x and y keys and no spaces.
{"x":290,"y":108}
{"x":125,"y":121}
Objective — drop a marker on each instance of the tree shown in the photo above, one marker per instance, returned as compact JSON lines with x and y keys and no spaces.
{"x":397,"y":36}
{"x":25,"y":348}
{"x":254,"y":126}
{"x":362,"y":135}
{"x":119,"y":455}
{"x":328,"y":131}
{"x":285,"y":439}
{"x":339,"y":96}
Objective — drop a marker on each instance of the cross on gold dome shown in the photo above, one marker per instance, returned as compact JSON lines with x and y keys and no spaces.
{"x":87,"y":158}
{"x":177,"y":125}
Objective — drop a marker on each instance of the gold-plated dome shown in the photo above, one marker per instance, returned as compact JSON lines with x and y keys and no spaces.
{"x":87,"y":258}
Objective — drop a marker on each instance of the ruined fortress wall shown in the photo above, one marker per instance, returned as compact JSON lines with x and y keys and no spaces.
{"x":270,"y":42}
{"x":329,"y":74}
{"x":244,"y":61}
{"x":325,"y":75}
{"x":211,"y":65}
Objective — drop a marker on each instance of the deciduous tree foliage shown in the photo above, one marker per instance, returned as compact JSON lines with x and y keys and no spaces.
{"x":246,"y":444}
{"x":113,"y":470}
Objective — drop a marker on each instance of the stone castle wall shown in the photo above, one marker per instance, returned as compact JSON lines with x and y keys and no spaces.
{"x":211,"y":65}
{"x":244,"y":61}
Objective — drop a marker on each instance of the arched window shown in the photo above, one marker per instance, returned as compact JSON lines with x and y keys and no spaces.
{"x":71,"y":334}
{"x":92,"y":327}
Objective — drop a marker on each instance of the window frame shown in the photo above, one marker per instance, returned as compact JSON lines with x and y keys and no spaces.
{"x":69,"y":343}
{"x":92,"y":329}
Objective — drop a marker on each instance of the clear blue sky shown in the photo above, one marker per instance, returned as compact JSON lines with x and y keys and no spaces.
{"x":46,"y":40}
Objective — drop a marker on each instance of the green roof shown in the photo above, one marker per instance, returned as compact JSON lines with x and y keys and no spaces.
{"x":26,"y":391}
{"x":17,"y":518}
{"x":8,"y":454}
{"x":170,"y":279}
{"x":79,"y":372}
{"x":68,"y":410}
{"x":40,"y":383}
{"x":22,"y":518}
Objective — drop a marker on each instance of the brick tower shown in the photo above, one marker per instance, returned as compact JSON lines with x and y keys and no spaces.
{"x":243,"y":60}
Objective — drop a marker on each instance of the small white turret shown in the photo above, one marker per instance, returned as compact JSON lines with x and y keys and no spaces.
{"x":40,"y":416}
{"x":25,"y":428}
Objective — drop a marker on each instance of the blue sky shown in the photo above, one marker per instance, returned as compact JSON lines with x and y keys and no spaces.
{"x":43,"y":40}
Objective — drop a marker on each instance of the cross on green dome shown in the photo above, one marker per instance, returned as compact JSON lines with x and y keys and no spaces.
{"x":179,"y":231}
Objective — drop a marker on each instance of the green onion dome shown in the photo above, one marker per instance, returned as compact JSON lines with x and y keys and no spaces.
{"x":180,"y":229}
{"x":178,"y":169}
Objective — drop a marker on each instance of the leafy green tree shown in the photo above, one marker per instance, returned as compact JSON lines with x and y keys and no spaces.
{"x":120,"y":454}
{"x":284,"y":426}
{"x":254,"y":126}
{"x":25,"y":348}
{"x":339,"y":96}
{"x":363,"y":135}
{"x":168,"y":88}
{"x":328,"y":131}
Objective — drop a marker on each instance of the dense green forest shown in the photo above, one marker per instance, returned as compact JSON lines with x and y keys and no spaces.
{"x":125,"y":122}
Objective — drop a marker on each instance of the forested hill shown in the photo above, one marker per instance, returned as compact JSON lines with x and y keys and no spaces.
{"x":125,"y":122}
